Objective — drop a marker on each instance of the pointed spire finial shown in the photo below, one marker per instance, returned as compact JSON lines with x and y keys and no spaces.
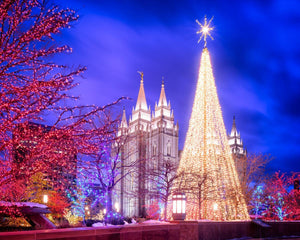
{"x":162,"y":98}
{"x":141,"y":101}
{"x":205,"y":29}
{"x":142,"y":76}
{"x":233,"y":129}
{"x":124,"y":120}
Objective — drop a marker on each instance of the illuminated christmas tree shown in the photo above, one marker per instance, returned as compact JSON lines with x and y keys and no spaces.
{"x":207,"y":173}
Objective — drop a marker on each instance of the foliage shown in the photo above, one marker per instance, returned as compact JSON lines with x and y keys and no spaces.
{"x":277,"y":194}
{"x":128,"y":219}
{"x":30,"y":85}
{"x":58,"y":204}
{"x":99,"y":216}
{"x":13,"y":222}
{"x":90,"y":222}
{"x":72,"y":218}
{"x":114,"y":218}
{"x":258,"y":201}
{"x":163,"y":180}
{"x":153,"y":211}
{"x":80,"y":198}
{"x":102,"y":171}
{"x":276,"y":200}
{"x":197,"y":186}
{"x":251,"y":171}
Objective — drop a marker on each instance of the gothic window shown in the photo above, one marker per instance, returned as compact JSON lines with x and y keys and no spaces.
{"x":169,"y":148}
{"x":154,"y":150}
{"x":131,"y":181}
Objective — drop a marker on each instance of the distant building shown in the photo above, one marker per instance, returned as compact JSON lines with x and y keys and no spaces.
{"x":239,"y":154}
{"x":27,"y":137}
{"x":151,"y":140}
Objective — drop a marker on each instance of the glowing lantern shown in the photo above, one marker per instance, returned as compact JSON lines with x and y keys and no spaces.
{"x":179,"y":201}
{"x":215,"y":206}
{"x":117,"y":206}
{"x":45,"y":198}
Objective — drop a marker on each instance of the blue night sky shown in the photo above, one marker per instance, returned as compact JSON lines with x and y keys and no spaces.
{"x":255,"y":56}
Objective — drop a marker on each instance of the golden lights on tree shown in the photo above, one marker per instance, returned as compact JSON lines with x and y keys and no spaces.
{"x":207,"y":173}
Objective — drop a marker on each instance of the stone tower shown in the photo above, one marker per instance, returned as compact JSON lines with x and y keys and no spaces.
{"x":150,"y":141}
{"x":239,"y":154}
{"x":235,"y":141}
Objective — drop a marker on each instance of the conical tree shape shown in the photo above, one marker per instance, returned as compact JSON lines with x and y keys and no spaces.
{"x":207,"y":172}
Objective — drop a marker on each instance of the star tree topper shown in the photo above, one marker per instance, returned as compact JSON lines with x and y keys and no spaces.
{"x":205,"y":29}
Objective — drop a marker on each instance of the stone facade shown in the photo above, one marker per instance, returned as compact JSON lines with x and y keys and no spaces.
{"x":150,"y":140}
{"x":239,"y":154}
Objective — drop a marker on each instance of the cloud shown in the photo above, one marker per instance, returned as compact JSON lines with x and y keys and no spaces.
{"x":255,"y":57}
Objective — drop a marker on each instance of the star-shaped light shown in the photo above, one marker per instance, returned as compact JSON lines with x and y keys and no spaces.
{"x":205,"y":29}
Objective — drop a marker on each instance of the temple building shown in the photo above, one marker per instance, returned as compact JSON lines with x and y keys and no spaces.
{"x":150,"y":141}
{"x":239,"y":153}
{"x":235,"y":141}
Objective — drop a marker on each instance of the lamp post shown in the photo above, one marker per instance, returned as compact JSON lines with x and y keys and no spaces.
{"x":45,"y":198}
{"x":117,"y":206}
{"x":215,"y":209}
{"x":179,"y":203}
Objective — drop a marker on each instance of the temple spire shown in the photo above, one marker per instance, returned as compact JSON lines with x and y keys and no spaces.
{"x":233,"y":129}
{"x":141,"y":101}
{"x":162,"y":99}
{"x":124,"y":121}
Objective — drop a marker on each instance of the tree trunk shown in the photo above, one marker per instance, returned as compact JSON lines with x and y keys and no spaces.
{"x":165,"y":209}
{"x":108,"y":207}
{"x":109,"y":201}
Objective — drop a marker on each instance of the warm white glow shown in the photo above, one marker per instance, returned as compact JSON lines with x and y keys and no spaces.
{"x":174,"y":207}
{"x":45,"y":198}
{"x":104,"y":210}
{"x":178,"y":207}
{"x":117,"y":206}
{"x":215,"y":192}
{"x":179,"y":202}
{"x":205,"y":30}
{"x":215,"y":207}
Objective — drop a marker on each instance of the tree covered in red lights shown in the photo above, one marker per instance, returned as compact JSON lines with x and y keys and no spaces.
{"x":279,"y":198}
{"x":31,"y":84}
{"x":277,"y":195}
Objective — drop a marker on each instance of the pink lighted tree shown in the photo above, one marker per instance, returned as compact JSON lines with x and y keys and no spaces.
{"x":282,"y":197}
{"x":277,"y":195}
{"x":30,"y":85}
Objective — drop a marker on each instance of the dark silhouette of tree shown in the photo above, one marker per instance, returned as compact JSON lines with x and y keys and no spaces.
{"x":162,"y":180}
{"x":251,"y":171}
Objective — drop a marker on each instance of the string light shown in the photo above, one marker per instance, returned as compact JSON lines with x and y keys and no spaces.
{"x":205,"y":29}
{"x":207,"y":171}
